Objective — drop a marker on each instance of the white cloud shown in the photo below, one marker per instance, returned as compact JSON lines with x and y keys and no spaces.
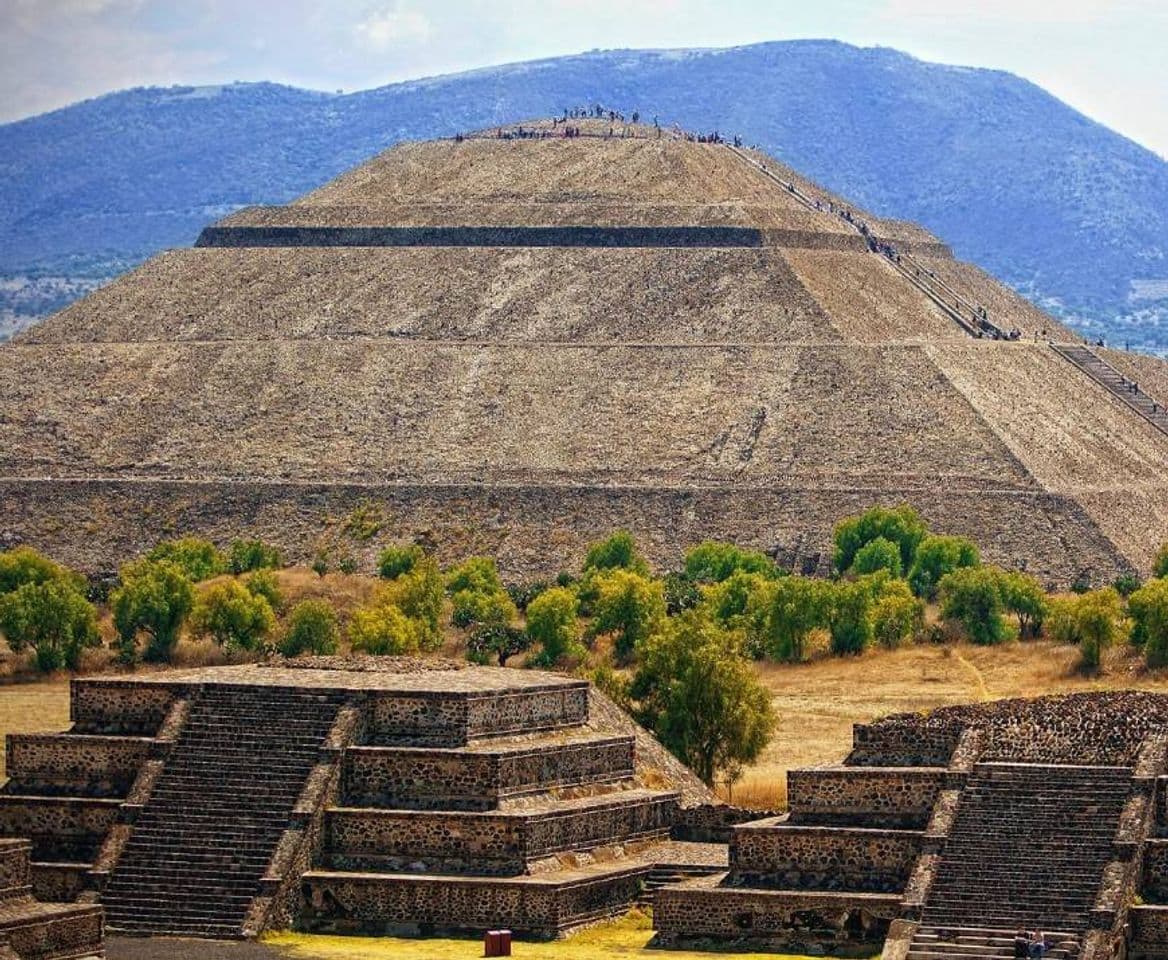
{"x":389,"y":27}
{"x":1064,"y":12}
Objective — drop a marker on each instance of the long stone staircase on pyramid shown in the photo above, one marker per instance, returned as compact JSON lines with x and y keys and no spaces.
{"x":1125,"y":389}
{"x":1028,"y":851}
{"x":203,"y":841}
{"x":226,"y":801}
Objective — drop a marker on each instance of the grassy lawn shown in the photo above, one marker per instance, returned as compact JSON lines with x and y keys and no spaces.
{"x":620,"y":940}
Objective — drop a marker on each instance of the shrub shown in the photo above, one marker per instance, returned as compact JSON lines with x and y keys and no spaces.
{"x":233,"y":616}
{"x":263,"y":583}
{"x":849,"y":616}
{"x":628,"y":606}
{"x":552,"y":623}
{"x":347,"y":564}
{"x":1160,"y":564}
{"x":971,"y":598}
{"x":522,"y":594}
{"x":701,"y":697}
{"x":381,"y":628}
{"x":393,"y":562}
{"x":619,"y":551}
{"x":936,"y":556}
{"x":797,"y":606}
{"x":470,"y":607}
{"x":1126,"y":584}
{"x":320,"y":563}
{"x":53,"y":618}
{"x":154,"y":599}
{"x":681,"y":593}
{"x":495,"y":643}
{"x":248,"y":555}
{"x":477,"y":574}
{"x":897,"y":615}
{"x":875,"y":555}
{"x":732,"y":601}
{"x":712,"y":562}
{"x":1148,"y":608}
{"x":1023,"y":596}
{"x":199,"y":559}
{"x":311,"y":628}
{"x":24,"y":565}
{"x":902,"y":525}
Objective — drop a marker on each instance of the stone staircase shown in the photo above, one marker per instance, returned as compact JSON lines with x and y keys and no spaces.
{"x":1107,"y":376}
{"x":1027,"y":851}
{"x":205,"y":837}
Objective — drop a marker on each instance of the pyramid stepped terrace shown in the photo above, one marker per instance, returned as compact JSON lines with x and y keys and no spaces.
{"x":513,"y":344}
{"x":376,"y":794}
{"x":942,"y":835}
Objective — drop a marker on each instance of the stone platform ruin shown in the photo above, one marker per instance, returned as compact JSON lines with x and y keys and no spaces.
{"x":369,"y":796}
{"x":943,"y":834}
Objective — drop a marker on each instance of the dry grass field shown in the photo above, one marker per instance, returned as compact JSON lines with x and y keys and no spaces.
{"x":33,"y":708}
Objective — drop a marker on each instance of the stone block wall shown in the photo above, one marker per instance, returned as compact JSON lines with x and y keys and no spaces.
{"x":823,"y":858}
{"x":14,"y":869}
{"x":713,"y":822}
{"x":118,"y":707}
{"x":488,"y":843}
{"x":902,"y":745}
{"x":61,"y":828}
{"x":1149,"y":932}
{"x":870,"y":796}
{"x":421,"y":778}
{"x":351,"y":903}
{"x":795,"y":921}
{"x":75,"y":764}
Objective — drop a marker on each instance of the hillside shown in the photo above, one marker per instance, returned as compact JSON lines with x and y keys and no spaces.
{"x":1059,"y":207}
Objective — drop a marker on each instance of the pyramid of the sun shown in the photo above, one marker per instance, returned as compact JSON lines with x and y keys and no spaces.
{"x":516,"y":345}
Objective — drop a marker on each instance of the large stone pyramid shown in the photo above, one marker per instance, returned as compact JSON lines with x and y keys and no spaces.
{"x":516,"y":344}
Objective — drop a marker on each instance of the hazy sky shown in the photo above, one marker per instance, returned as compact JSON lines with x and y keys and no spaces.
{"x":1108,"y":59}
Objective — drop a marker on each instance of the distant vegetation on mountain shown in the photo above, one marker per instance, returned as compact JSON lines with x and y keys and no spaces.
{"x":1067,"y":211}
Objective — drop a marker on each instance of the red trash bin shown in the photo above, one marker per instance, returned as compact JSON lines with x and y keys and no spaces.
{"x":504,"y":943}
{"x":492,"y":944}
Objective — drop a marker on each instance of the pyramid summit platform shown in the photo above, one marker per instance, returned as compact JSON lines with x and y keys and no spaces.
{"x":512,"y":344}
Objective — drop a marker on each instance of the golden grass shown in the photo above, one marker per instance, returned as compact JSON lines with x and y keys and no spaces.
{"x":621,"y":939}
{"x":818,"y":702}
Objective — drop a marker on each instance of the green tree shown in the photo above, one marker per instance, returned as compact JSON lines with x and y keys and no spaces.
{"x":699,"y":694}
{"x":52,"y":618}
{"x":797,"y":606}
{"x":24,"y":565}
{"x":971,"y":597}
{"x":418,"y":594}
{"x":1024,"y":597}
{"x":496,"y":643}
{"x":936,"y":556}
{"x":552,"y":622}
{"x":199,"y":559}
{"x":393,"y":562}
{"x":618,"y":551}
{"x":1102,"y":623}
{"x":153,"y":600}
{"x":897,"y":615}
{"x":1126,"y":584}
{"x":1148,"y":608}
{"x":849,"y":616}
{"x":628,"y":606}
{"x":312,"y":627}
{"x":712,"y":562}
{"x":233,"y":616}
{"x":248,"y":555}
{"x":878,"y":554}
{"x":902,"y":525}
{"x":263,"y":583}
{"x":381,"y":629}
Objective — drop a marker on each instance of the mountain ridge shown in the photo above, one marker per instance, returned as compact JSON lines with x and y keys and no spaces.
{"x":1049,"y":200}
